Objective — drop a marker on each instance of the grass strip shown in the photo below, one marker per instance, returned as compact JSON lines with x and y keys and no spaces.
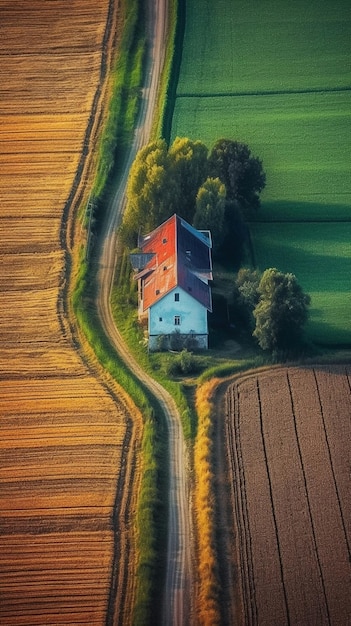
{"x":171,"y":70}
{"x":232,"y":367}
{"x":125,"y":85}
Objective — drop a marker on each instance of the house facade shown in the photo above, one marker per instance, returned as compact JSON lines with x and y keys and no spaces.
{"x":173,"y":270}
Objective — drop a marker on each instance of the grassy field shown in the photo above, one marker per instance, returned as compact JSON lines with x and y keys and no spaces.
{"x":304,"y":140}
{"x":320,"y":255}
{"x":276,"y":76}
{"x":258,"y":47}
{"x":68,"y":478}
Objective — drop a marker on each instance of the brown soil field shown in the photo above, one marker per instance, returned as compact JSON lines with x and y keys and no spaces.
{"x":67,"y":436}
{"x":289,"y":454}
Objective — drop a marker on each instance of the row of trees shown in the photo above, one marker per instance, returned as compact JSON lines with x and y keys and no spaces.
{"x":273,"y":306}
{"x":213,"y":190}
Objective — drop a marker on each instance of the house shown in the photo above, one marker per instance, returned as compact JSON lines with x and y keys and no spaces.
{"x":173,"y":269}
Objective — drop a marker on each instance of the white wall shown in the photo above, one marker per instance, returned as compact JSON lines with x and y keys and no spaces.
{"x":193,"y":316}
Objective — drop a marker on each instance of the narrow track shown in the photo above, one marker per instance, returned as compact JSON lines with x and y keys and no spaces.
{"x":178,"y":584}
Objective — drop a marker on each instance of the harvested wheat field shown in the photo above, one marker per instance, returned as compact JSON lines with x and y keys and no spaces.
{"x":289,"y":433}
{"x":67,"y":441}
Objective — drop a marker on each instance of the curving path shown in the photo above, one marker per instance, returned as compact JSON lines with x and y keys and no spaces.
{"x":178,"y":582}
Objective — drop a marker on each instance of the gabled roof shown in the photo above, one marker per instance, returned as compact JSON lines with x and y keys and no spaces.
{"x":181,"y":257}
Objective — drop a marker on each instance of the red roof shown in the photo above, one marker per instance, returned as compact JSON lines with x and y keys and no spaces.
{"x":182,"y":256}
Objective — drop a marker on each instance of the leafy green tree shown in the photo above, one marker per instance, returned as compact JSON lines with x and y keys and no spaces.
{"x":246,"y":296}
{"x":281,"y":312}
{"x":210,"y":208}
{"x":188,"y":170}
{"x":149,"y":191}
{"x":161,"y":182}
{"x":247,"y":283}
{"x":241,"y":173}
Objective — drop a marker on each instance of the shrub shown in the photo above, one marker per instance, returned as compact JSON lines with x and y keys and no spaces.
{"x":183,"y":363}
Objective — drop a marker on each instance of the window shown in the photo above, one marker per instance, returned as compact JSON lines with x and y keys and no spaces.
{"x":177,"y":320}
{"x":176,"y":297}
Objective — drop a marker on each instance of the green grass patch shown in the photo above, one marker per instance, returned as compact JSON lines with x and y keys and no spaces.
{"x":319,"y":254}
{"x":274,"y":45}
{"x":304,"y":141}
{"x":289,"y":211}
{"x":232,"y":367}
{"x":170,"y":73}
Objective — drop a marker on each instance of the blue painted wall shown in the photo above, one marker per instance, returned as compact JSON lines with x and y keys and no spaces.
{"x":193,"y":315}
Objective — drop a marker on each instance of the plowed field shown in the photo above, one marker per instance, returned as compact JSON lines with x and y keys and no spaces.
{"x":66,"y":439}
{"x":289,"y":434}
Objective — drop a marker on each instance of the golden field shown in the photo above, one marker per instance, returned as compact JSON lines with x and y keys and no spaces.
{"x":67,"y":439}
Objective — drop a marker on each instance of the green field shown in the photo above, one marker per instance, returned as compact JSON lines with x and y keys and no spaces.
{"x":277,"y":75}
{"x":304,"y":140}
{"x":320,"y":256}
{"x":251,"y":46}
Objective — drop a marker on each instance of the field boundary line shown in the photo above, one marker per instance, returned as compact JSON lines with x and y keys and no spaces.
{"x":277,"y":92}
{"x":300,"y":221}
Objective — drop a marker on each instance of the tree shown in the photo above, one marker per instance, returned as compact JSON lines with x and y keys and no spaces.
{"x":281,"y":312}
{"x":161,"y":182}
{"x":149,"y":191}
{"x":188,"y":170}
{"x":210,"y":208}
{"x":246,"y":296}
{"x":241,"y":173}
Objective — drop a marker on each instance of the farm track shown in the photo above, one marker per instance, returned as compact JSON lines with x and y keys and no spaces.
{"x":68,"y":437}
{"x":178,"y":584}
{"x":288,"y":437}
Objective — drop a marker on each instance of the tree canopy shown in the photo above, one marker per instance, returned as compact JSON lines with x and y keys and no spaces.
{"x":210,"y":208}
{"x":246,"y":296}
{"x":163,"y":181}
{"x":149,"y":193}
{"x":188,"y":169}
{"x":241,"y":173}
{"x":281,"y":312}
{"x":211,"y":191}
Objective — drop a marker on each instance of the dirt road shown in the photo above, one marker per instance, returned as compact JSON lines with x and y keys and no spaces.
{"x":178,"y":582}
